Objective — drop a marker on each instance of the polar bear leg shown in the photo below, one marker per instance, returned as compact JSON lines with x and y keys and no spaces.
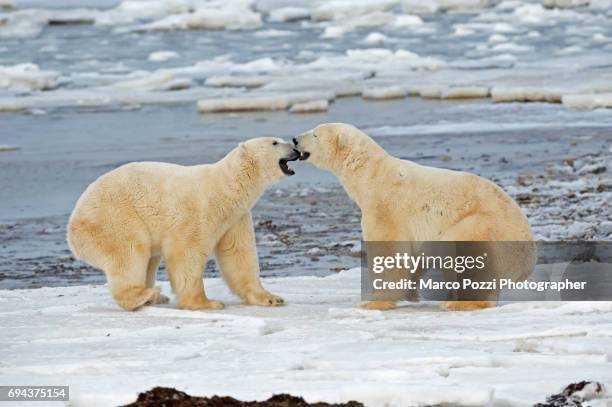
{"x":383,"y":230}
{"x":185,"y":267}
{"x":236,"y":254}
{"x":151,"y":275}
{"x":127,"y":281}
{"x":472,"y":228}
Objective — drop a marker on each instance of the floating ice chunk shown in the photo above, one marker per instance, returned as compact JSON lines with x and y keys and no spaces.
{"x":407,"y":20}
{"x":161,"y":56}
{"x":342,"y":9}
{"x":454,"y":92}
{"x":66,"y":4}
{"x":22,"y":24}
{"x":573,"y":49}
{"x":498,"y":38}
{"x":420,"y":7}
{"x":7,"y":4}
{"x":176,"y":84}
{"x":243,"y":104}
{"x":499,"y":61}
{"x":463,"y":4}
{"x":588,"y":101}
{"x":431,"y":92}
{"x":26,"y":77}
{"x":461,"y":31}
{"x":334,"y":32}
{"x":376,"y":38}
{"x":310,"y":107}
{"x":274,"y":33}
{"x":374,"y":19}
{"x":313,"y":251}
{"x":525,"y":94}
{"x":600,"y":38}
{"x":565,"y":3}
{"x":289,"y":14}
{"x":261,"y":103}
{"x":238,"y":81}
{"x":424,"y":7}
{"x":7,"y":147}
{"x":512,"y":47}
{"x":151,"y":81}
{"x":380,"y":93}
{"x":464,"y":92}
{"x":230,"y":18}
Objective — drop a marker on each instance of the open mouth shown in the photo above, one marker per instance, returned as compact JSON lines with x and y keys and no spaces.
{"x":282,"y":163}
{"x":304,"y":156}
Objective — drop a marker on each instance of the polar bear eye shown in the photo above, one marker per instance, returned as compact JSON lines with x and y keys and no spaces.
{"x":274,"y":143}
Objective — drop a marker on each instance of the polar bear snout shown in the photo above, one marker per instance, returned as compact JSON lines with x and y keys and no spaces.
{"x":300,"y":143}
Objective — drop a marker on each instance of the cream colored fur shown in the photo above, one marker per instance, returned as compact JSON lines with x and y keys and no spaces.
{"x":403,"y":201}
{"x":131,"y":217}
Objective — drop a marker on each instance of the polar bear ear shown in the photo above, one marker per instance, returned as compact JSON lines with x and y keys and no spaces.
{"x":340,"y":141}
{"x":242,"y":146}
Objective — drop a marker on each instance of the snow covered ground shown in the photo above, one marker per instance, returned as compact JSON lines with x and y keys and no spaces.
{"x":180,"y":51}
{"x":319,"y":346}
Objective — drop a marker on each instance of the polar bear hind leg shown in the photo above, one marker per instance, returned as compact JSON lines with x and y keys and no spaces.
{"x":127,"y":281}
{"x":472,"y":228}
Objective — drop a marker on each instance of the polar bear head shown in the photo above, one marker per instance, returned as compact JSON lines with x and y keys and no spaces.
{"x":269,"y":155}
{"x":328,"y":145}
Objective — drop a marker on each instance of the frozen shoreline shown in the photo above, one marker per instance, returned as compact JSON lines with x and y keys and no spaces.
{"x":319,"y":346}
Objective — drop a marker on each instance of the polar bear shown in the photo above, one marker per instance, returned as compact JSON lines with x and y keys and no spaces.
{"x":130,"y":217}
{"x":403,"y":201}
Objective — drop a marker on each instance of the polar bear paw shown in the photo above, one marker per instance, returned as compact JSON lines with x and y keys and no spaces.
{"x":466,"y":305}
{"x":378,"y":305}
{"x":202,"y":305}
{"x":264,"y":299}
{"x":161,"y":299}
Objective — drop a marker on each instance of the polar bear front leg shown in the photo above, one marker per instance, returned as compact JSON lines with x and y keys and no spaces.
{"x":236,"y":254}
{"x":185,"y":268}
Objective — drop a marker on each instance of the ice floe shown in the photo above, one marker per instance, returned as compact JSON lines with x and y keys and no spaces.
{"x":350,"y":46}
{"x":26,"y":77}
{"x":162,"y":56}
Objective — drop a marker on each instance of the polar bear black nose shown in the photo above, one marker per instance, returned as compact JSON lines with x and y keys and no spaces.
{"x":295,"y":141}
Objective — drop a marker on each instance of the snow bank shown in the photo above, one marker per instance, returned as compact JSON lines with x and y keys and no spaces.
{"x":319,"y":346}
{"x":588,"y":101}
{"x":26,"y":77}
